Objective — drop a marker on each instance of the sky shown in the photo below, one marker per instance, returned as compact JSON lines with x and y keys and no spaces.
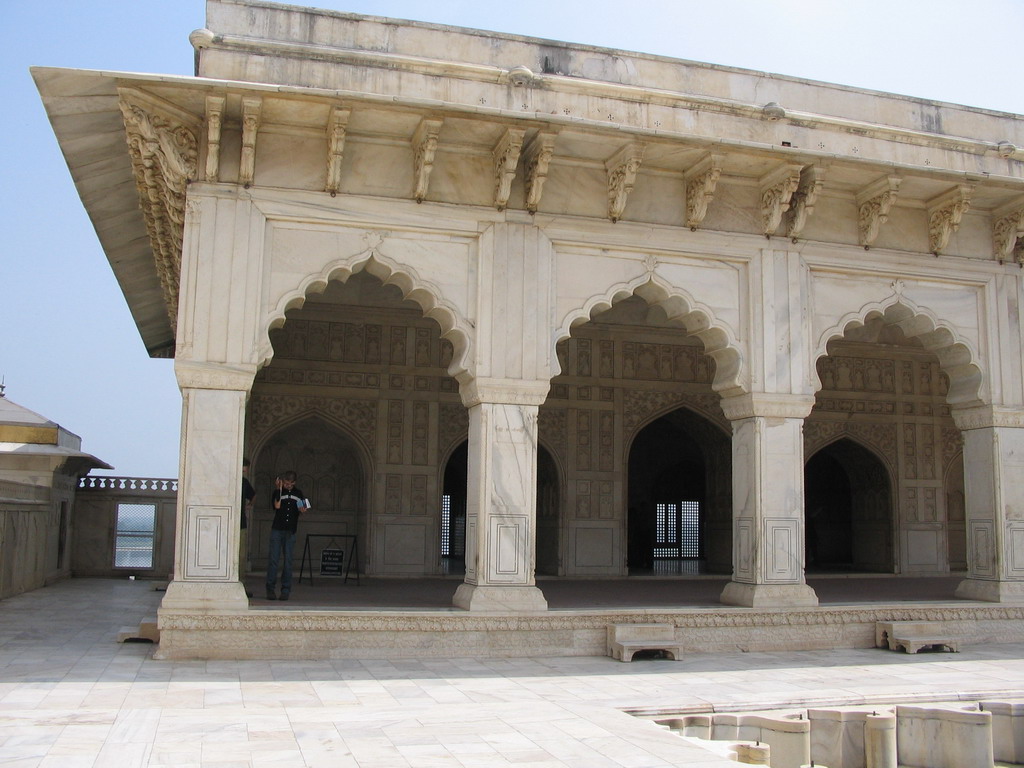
{"x":69,"y":349}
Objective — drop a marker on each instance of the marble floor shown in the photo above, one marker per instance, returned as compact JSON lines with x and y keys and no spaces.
{"x":71,"y":696}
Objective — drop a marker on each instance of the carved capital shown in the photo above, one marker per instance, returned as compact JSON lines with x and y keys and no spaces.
{"x":251,"y":108}
{"x":505,"y":157}
{"x":622,"y":168}
{"x":200,"y":375}
{"x":770,"y":405}
{"x":163,"y":142}
{"x":214,"y":125}
{"x":700,"y":181}
{"x":537,"y":156}
{"x":987,"y":416}
{"x":873,"y":205}
{"x":505,"y":391}
{"x":801,"y":205}
{"x":424,"y":146}
{"x":777,"y":188}
{"x":944,"y":215}
{"x":1008,"y":232}
{"x":337,"y":125}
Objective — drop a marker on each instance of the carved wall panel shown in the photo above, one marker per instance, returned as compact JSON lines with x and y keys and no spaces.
{"x":453,"y":427}
{"x":553,"y":430}
{"x":267,"y":413}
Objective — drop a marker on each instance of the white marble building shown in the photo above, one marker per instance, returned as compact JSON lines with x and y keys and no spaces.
{"x":615,"y":291}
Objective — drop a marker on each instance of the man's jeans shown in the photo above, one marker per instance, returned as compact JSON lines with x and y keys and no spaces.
{"x":281,"y":545}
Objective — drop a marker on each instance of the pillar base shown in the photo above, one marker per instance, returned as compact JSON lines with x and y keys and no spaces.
{"x":991,"y":591}
{"x":768,"y":595}
{"x":473,"y":597}
{"x":205,"y":597}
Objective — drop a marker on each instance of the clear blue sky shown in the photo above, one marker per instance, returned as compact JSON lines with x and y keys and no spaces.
{"x":68,"y":346}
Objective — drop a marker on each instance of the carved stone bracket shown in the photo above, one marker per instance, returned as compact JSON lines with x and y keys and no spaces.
{"x":163,"y":142}
{"x":251,"y":108}
{"x":214,"y":125}
{"x":700,"y":181}
{"x":1008,"y":232}
{"x":801,"y":205}
{"x":622,"y":168}
{"x":506,"y":160}
{"x":337,"y":125}
{"x":424,"y":146}
{"x":777,"y":188}
{"x":873,"y":205}
{"x":537,"y":155}
{"x":944,"y":215}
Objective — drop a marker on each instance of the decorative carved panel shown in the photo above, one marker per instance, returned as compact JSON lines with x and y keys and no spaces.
{"x":270,"y":412}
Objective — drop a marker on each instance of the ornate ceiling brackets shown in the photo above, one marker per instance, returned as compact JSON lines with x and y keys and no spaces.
{"x":537,"y":156}
{"x":801,"y":205}
{"x":1008,"y":232}
{"x":873,"y":205}
{"x":214,"y":126}
{"x":944,"y":215}
{"x":337,"y":125}
{"x":424,"y":146}
{"x":700,"y":182}
{"x":505,"y":157}
{"x":777,"y":188}
{"x":251,"y":108}
{"x":622,"y":168}
{"x":163,"y":143}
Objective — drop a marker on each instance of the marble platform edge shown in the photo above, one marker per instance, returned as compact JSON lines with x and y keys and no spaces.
{"x":305,"y":635}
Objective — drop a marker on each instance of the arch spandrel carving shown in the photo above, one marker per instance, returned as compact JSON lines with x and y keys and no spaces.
{"x":719,"y":340}
{"x":296,"y":276}
{"x":956,"y":346}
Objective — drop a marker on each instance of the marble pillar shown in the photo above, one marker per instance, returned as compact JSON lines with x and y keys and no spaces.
{"x":501,"y":509}
{"x":208,"y":522}
{"x":994,"y":490}
{"x":768,"y":501}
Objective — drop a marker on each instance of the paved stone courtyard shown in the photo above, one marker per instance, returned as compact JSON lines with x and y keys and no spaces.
{"x":71,"y":696}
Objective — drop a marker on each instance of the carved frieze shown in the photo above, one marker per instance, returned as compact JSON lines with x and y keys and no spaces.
{"x":944,"y":215}
{"x":163,"y":142}
{"x":251,"y":109}
{"x":952,"y":444}
{"x":839,"y":373}
{"x":553,"y":430}
{"x":1008,"y":233}
{"x":424,"y":147}
{"x":505,"y":158}
{"x":777,"y":188}
{"x":880,"y":437}
{"x":270,"y":412}
{"x":622,"y":168}
{"x":337,"y":125}
{"x":538,"y":156}
{"x":700,"y":182}
{"x":873,"y":205}
{"x":801,"y":206}
{"x":640,"y":405}
{"x":453,"y":426}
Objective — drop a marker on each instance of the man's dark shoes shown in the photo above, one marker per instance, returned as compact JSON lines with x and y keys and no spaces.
{"x":271,"y":595}
{"x":284,"y":595}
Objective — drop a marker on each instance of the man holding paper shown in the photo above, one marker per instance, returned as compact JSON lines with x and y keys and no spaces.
{"x":289,"y":502}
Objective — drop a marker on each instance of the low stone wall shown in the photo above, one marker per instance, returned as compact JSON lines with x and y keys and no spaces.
{"x":296,"y":634}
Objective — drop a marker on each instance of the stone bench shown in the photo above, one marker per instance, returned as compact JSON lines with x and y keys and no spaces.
{"x":626,"y":639}
{"x":912,"y":636}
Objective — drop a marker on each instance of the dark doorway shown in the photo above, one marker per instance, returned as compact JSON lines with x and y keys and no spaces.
{"x":549,"y":562}
{"x":453,"y":511}
{"x":848,"y":510}
{"x":679,"y":497}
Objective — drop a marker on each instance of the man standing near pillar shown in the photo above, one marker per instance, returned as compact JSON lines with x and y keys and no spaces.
{"x":289,"y":502}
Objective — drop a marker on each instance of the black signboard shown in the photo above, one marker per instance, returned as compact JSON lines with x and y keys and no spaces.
{"x":331,"y":562}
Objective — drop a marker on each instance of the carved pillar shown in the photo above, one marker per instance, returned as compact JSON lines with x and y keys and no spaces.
{"x":994,"y":489}
{"x":501,"y":510}
{"x":768,"y":501}
{"x":206,"y":537}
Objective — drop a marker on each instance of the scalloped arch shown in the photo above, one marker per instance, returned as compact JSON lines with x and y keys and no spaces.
{"x":957,"y":356}
{"x":698,"y":319}
{"x":414,"y":288}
